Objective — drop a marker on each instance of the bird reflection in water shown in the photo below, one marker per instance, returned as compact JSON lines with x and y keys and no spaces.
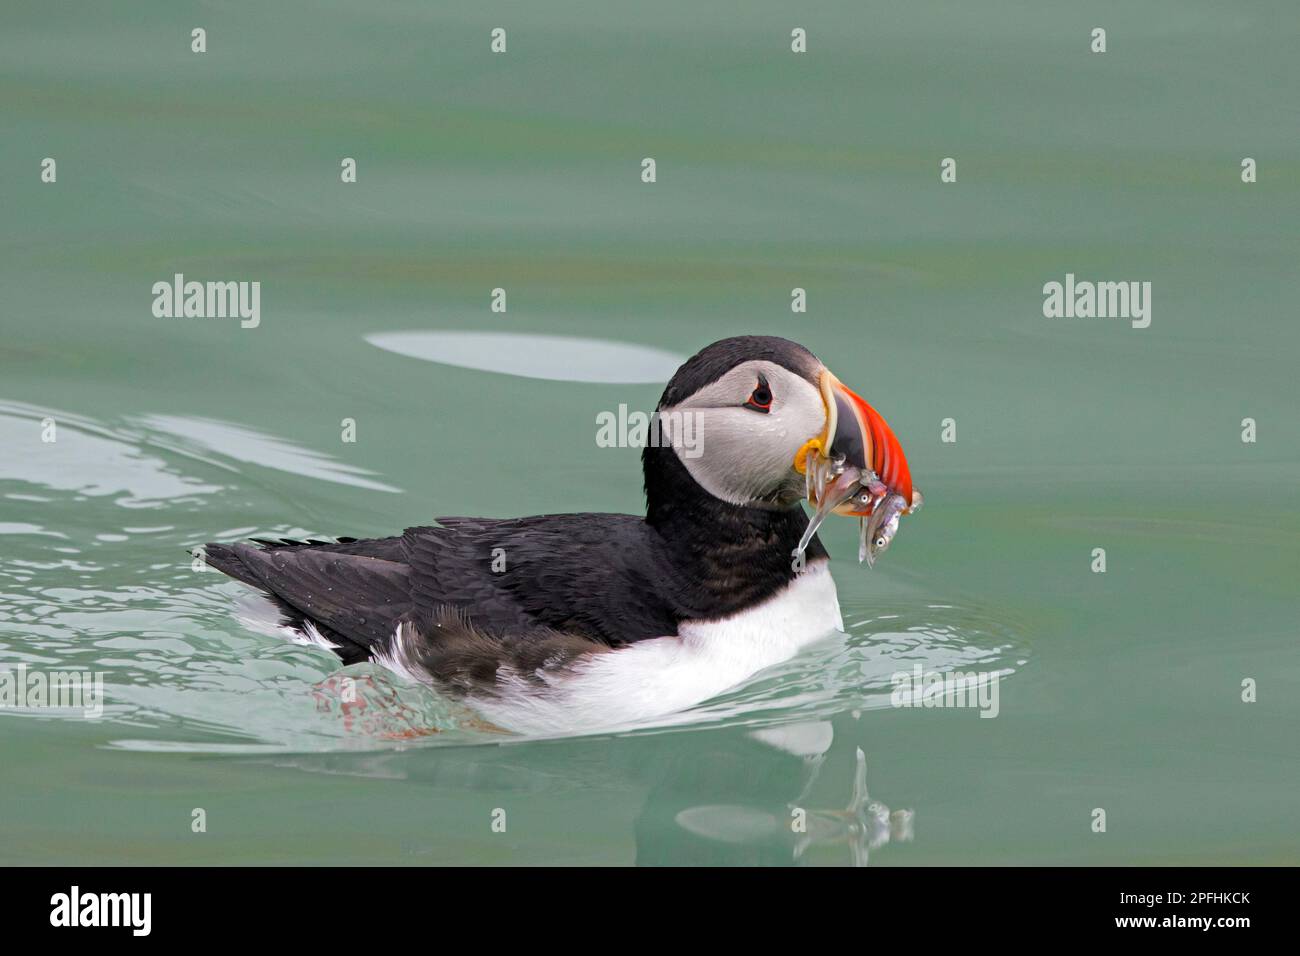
{"x":764,"y":832}
{"x":863,"y":825}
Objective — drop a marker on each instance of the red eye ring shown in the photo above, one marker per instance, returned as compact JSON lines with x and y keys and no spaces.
{"x":761,"y":398}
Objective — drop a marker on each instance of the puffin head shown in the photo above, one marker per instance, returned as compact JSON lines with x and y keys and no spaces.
{"x":763,"y":410}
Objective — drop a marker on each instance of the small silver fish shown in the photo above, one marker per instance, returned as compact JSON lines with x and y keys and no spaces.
{"x":879,"y":529}
{"x":830,"y":484}
{"x":833,"y":485}
{"x":870,"y":490}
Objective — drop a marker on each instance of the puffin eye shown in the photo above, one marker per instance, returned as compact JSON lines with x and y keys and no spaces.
{"x":760,"y":399}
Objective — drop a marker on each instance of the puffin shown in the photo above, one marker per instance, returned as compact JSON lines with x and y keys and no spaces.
{"x":569,"y":623}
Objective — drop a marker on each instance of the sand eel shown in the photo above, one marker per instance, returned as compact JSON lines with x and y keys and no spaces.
{"x":599,"y":620}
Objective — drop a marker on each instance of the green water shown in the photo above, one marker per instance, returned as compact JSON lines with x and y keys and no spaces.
{"x":1120,"y":691}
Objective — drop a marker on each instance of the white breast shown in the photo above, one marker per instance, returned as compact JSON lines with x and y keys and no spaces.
{"x":662,"y":675}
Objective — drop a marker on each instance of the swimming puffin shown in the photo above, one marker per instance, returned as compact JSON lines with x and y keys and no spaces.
{"x":599,"y":620}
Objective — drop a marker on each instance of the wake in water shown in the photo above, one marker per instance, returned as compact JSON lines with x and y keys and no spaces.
{"x":95,"y":578}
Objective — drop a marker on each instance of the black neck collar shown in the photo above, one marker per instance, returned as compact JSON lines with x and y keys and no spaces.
{"x":725,"y":557}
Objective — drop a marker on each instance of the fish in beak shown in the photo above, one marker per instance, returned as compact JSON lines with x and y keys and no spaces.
{"x":856,"y":467}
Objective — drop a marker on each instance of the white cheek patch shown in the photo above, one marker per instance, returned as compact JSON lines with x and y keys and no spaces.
{"x":681,"y":429}
{"x":741,"y":455}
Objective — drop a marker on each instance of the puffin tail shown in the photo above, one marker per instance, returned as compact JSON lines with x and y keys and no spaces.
{"x":225,"y":558}
{"x":229,"y":560}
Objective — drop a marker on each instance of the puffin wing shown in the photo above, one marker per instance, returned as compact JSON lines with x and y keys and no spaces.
{"x":515,"y":588}
{"x":591,"y":575}
{"x":466,"y":563}
{"x":358,"y":597}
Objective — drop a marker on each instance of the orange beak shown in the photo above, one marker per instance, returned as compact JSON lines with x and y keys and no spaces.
{"x":860,"y":434}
